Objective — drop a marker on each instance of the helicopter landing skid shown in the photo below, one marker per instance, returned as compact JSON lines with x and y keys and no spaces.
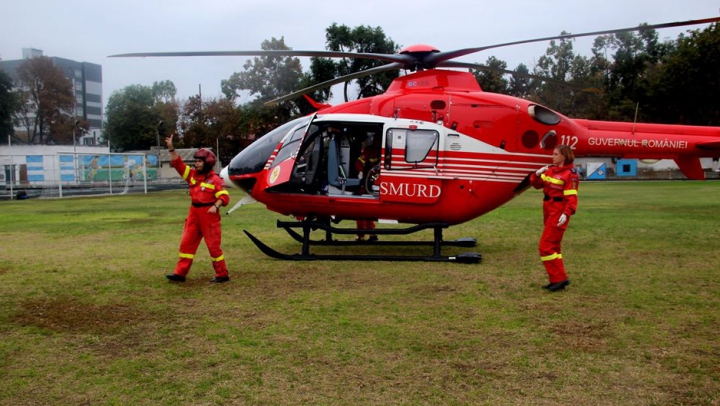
{"x":469,"y":257}
{"x":460,"y":242}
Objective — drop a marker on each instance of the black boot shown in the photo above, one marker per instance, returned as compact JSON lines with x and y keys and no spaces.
{"x":175,"y":277}
{"x":554,"y":287}
{"x":220,"y":279}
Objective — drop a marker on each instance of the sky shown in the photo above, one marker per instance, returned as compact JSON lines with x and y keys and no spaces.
{"x":90,"y":31}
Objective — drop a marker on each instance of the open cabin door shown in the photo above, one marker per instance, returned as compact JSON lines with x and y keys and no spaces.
{"x":322,"y":157}
{"x":281,"y":168}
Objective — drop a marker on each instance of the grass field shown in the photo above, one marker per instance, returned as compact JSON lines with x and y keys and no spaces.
{"x":88,"y":318}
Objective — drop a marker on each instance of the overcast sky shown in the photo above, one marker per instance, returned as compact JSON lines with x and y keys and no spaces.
{"x":89,"y":31}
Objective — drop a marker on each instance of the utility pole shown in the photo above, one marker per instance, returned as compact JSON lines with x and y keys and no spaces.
{"x":12,"y":168}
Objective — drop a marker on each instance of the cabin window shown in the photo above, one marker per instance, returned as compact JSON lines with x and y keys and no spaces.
{"x":417,"y":144}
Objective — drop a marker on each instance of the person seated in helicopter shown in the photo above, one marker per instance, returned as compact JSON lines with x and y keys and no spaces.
{"x":368,"y":158}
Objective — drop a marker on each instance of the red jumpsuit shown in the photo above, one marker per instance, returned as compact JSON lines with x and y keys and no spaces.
{"x":369,"y":157}
{"x":205,"y":190}
{"x":560,"y":185}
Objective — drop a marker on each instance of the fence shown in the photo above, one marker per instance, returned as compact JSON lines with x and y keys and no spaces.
{"x":64,"y":174}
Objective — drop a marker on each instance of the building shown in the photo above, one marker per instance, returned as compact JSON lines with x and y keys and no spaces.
{"x":86,"y":78}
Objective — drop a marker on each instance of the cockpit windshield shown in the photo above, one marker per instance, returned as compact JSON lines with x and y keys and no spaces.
{"x":253,"y":158}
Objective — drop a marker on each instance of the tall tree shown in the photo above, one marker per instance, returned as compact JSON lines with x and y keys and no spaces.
{"x":8,"y":106}
{"x":362,"y":39}
{"x":132,"y":117}
{"x":267,"y":78}
{"x":215,"y":124}
{"x":46,"y":97}
{"x":164,"y":91}
{"x":685,"y":86}
{"x":491,"y":80}
{"x":556,"y":64}
{"x":626,"y":77}
{"x":520,"y":85}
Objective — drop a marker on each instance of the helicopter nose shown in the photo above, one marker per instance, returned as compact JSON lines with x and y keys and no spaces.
{"x":226,"y":178}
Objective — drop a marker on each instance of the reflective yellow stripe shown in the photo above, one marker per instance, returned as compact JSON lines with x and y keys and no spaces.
{"x":552,"y":180}
{"x":193,"y":181}
{"x":551,"y":257}
{"x":188,"y":256}
{"x":207,"y":185}
{"x":186,"y":173}
{"x":220,"y":258}
{"x":570,"y":192}
{"x":222,"y":192}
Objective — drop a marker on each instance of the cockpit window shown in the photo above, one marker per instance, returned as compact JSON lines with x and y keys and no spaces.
{"x":290,"y":146}
{"x":253,"y":158}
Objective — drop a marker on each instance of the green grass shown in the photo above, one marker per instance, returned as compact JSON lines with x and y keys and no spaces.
{"x":87,"y":317}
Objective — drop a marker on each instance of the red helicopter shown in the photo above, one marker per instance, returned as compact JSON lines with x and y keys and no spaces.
{"x":449,"y":152}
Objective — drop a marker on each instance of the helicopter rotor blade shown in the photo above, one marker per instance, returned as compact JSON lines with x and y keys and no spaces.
{"x":434,"y":59}
{"x":476,"y":66}
{"x":412,"y":60}
{"x":276,"y":53}
{"x":331,"y":82}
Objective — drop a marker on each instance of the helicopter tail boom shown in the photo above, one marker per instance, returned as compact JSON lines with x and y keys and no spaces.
{"x":683,"y":144}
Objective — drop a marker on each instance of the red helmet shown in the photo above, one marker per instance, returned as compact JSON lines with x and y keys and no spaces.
{"x":207,"y":156}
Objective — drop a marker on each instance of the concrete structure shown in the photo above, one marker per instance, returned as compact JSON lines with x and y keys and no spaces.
{"x":86,"y":78}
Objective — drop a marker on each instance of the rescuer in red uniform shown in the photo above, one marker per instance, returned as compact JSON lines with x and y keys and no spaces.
{"x":560,"y":185}
{"x":369,"y":157}
{"x":208,"y":194}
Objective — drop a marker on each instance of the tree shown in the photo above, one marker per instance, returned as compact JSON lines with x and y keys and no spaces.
{"x":361,"y":39}
{"x":132,"y":118}
{"x":8,"y":106}
{"x":627,"y":78}
{"x":520,"y":85}
{"x":215,"y":124}
{"x":555,"y":65}
{"x":46,"y":97}
{"x":492,"y":79}
{"x":685,"y":86}
{"x":267,"y":78}
{"x":164,"y":91}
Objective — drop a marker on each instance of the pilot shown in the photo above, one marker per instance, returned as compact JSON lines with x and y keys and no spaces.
{"x":208,"y":194}
{"x":369,"y":157}
{"x":560,"y":186}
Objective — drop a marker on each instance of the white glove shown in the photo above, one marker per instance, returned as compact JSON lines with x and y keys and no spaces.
{"x":563,"y":218}
{"x":360,"y":175}
{"x":541,"y":170}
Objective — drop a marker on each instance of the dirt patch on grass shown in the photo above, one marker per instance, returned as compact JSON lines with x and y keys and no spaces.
{"x":109,"y":330}
{"x":582,"y":336}
{"x":69,"y":315}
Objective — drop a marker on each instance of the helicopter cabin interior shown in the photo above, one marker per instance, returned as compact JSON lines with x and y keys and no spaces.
{"x":333,"y":154}
{"x":327,"y":159}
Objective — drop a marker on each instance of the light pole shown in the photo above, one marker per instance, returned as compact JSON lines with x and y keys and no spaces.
{"x":158,"y":129}
{"x":75,"y":157}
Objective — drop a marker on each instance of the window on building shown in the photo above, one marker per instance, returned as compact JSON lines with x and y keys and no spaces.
{"x":78,"y":73}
